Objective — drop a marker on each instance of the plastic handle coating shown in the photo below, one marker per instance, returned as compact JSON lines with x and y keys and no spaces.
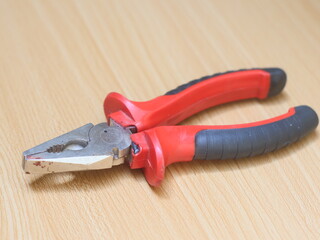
{"x":235,"y":143}
{"x":158,"y":147}
{"x":277,"y":80}
{"x":193,"y":97}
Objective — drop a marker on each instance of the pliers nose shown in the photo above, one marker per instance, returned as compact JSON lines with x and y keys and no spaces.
{"x":86,"y":148}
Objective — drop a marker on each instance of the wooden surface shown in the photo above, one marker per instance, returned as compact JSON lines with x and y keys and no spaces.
{"x":59,"y":59}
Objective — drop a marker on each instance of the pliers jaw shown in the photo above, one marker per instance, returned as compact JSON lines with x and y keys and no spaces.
{"x":89,"y":147}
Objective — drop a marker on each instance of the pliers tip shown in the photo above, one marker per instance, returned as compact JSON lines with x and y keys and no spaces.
{"x":86,"y":148}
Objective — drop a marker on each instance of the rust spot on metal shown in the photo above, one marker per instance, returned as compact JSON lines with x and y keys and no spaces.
{"x":37,"y":163}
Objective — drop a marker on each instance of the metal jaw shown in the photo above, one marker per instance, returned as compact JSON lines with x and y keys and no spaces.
{"x":86,"y":148}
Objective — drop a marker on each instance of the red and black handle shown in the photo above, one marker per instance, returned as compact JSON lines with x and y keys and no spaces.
{"x":156,"y":148}
{"x":195,"y":96}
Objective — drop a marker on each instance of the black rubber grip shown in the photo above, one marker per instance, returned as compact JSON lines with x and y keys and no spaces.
{"x":278,"y":80}
{"x":215,"y":144}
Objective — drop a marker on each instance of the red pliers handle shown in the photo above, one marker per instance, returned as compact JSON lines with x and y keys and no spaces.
{"x":156,"y":143}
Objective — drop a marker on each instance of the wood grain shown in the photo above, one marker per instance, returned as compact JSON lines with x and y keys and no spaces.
{"x":59,"y":59}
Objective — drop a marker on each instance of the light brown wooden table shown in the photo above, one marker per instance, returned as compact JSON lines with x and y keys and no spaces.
{"x":59,"y":59}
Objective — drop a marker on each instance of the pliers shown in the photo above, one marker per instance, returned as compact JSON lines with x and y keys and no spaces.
{"x":141,"y":133}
